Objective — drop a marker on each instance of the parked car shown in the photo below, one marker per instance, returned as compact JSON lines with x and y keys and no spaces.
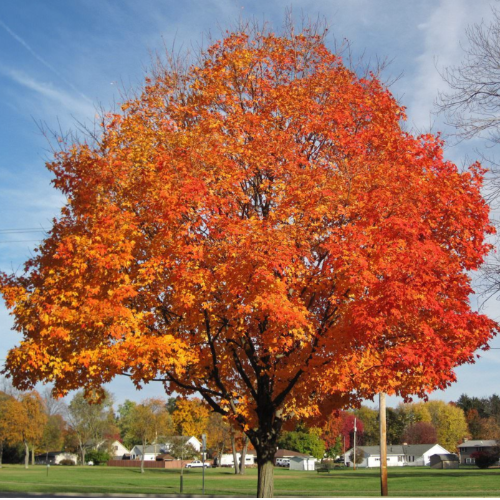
{"x":197,"y":463}
{"x":283,"y":462}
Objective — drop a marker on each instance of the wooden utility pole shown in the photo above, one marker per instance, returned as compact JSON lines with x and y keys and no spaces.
{"x":383,"y":446}
{"x":355,"y":456}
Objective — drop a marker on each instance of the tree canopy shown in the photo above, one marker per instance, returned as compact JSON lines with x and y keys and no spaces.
{"x":257,"y":228}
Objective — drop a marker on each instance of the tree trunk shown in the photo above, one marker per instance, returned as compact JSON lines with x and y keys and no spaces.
{"x":264,"y":440}
{"x":243,"y":455}
{"x":142,"y":458}
{"x":235,"y":457}
{"x":82,"y":453}
{"x":33,"y":455}
{"x":26,"y":455}
{"x":265,"y":481}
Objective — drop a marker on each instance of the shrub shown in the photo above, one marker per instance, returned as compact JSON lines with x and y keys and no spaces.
{"x":67,"y":461}
{"x":485,"y":459}
{"x":97,"y":457}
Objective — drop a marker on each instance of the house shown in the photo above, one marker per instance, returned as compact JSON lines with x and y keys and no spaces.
{"x":444,"y":461}
{"x":188,"y":440}
{"x":419,"y":455}
{"x":117,"y":450}
{"x":468,"y":447}
{"x":151,"y":451}
{"x":303,"y":463}
{"x":280,"y":454}
{"x":55,"y":458}
{"x":371,"y":456}
{"x":399,"y":455}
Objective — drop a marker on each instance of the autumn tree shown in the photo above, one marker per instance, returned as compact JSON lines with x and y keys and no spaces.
{"x":420,"y":433}
{"x":90,"y":421}
{"x":190,"y":417}
{"x":305,"y":441}
{"x":257,"y":228}
{"x":53,"y":434}
{"x":371,"y":425}
{"x":24,"y":421}
{"x":181,"y":449}
{"x":489,"y":429}
{"x":218,"y":434}
{"x":148,"y":422}
{"x":5,"y":423}
{"x":125,"y":413}
{"x":332,"y":434}
{"x":449,"y":422}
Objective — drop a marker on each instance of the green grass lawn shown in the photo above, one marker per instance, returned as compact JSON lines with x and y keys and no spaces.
{"x":407,"y":481}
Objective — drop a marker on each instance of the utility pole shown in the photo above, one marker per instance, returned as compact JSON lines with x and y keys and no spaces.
{"x":383,"y":446}
{"x":355,"y":456}
{"x":204,"y":451}
{"x":345,"y":458}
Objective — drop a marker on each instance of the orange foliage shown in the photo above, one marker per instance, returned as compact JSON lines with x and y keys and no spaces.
{"x":258,"y":229}
{"x":191,"y":417}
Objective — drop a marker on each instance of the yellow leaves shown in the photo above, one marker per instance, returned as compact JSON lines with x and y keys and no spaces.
{"x":264,"y":215}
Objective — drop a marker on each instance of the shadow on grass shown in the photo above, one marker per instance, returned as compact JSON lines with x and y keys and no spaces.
{"x":421,"y":474}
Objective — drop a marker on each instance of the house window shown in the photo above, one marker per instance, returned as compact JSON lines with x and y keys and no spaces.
{"x":470,"y":460}
{"x":411,"y":458}
{"x":400,"y":458}
{"x":115,"y":447}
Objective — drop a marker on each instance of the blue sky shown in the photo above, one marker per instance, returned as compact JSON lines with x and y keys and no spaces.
{"x":60,"y":61}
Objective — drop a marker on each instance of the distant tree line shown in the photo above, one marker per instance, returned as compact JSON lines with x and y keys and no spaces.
{"x":33,"y":424}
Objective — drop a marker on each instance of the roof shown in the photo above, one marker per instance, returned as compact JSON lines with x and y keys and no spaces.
{"x":54,"y":453}
{"x":419,"y":449}
{"x":375,"y":450}
{"x":181,"y":438}
{"x":301,"y":459}
{"x":151,"y":448}
{"x":407,"y":449}
{"x":478,"y":443}
{"x":445,"y":457}
{"x":289,"y":454}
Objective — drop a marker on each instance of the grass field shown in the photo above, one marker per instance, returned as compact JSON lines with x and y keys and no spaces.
{"x":406,"y":481}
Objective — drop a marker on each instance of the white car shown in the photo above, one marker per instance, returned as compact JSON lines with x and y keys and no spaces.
{"x":283,"y":462}
{"x":196,"y":463}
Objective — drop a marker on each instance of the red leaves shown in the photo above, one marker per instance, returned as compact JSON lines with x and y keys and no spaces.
{"x":259,"y":222}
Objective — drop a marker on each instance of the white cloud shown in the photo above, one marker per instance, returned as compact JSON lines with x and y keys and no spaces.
{"x":42,"y":60}
{"x":63,"y":100}
{"x":444,"y":32}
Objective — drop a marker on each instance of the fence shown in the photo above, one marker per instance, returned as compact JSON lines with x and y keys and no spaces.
{"x":149,"y":464}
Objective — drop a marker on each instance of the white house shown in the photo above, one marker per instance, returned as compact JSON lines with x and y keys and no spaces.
{"x":192,"y":440}
{"x":55,"y":457}
{"x":151,"y":451}
{"x":303,"y":463}
{"x":371,"y":456}
{"x":399,"y":455}
{"x":118,"y":450}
